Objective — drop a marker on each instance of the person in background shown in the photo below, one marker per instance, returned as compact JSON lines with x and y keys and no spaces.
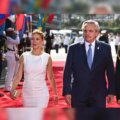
{"x":49,"y":37}
{"x":104,"y":37}
{"x":78,"y":39}
{"x":66,"y":43}
{"x":117,"y":41}
{"x":28,"y":44}
{"x":11,"y":56}
{"x":57,"y":42}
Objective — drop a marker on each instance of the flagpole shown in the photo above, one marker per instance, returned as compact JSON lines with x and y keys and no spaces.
{"x":28,"y":28}
{"x":31,"y":23}
{"x":15,"y":22}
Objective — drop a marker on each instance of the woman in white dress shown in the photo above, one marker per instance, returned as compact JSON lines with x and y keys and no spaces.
{"x":35,"y":64}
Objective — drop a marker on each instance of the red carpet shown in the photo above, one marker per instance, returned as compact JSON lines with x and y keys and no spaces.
{"x":6,"y":101}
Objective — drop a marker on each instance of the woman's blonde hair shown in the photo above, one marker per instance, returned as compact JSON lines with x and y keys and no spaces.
{"x":36,"y":31}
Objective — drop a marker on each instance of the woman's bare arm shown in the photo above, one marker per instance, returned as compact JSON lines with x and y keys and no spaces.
{"x":18,"y":76}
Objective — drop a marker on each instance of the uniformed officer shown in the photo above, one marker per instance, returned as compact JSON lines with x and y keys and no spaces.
{"x":11,"y":56}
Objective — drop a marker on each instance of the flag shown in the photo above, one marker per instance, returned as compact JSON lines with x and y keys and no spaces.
{"x":43,"y":27}
{"x":37,"y":4}
{"x":14,"y":6}
{"x":50,"y":18}
{"x":29,"y":21}
{"x":42,"y":22}
{"x":4,"y":6}
{"x":3,"y":17}
{"x":24,"y":27}
{"x":19,"y":21}
{"x":39,"y":23}
{"x":45,"y":4}
{"x":40,"y":28}
{"x":12,"y":18}
{"x":44,"y":19}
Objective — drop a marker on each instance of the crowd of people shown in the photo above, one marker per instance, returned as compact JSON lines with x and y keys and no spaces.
{"x":89,"y":61}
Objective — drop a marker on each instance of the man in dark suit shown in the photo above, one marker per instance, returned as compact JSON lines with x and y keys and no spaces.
{"x":104,"y":37}
{"x":87,"y":64}
{"x":117,"y":76}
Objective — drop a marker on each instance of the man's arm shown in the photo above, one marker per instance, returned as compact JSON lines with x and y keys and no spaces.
{"x":117,"y":77}
{"x":110,"y":73}
{"x":67,"y":74}
{"x":14,"y":41}
{"x":110,"y":76}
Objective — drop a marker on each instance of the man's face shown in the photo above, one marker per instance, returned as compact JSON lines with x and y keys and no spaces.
{"x":90,"y":32}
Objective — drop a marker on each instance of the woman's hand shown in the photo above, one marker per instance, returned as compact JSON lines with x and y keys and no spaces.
{"x":13,"y":94}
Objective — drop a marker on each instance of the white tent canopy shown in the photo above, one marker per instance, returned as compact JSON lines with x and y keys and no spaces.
{"x":65,"y":31}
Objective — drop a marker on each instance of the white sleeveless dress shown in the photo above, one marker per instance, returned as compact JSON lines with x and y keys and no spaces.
{"x":35,"y":92}
{"x":25,"y":113}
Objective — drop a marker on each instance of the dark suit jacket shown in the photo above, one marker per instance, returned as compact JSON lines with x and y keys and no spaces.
{"x":88,"y":84}
{"x":117,"y":75}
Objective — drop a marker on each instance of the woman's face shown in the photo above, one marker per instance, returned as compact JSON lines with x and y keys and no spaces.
{"x":36,"y":41}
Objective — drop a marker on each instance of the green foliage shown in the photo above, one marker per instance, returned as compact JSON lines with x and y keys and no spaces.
{"x":113,"y":30}
{"x":110,"y":23}
{"x":76,"y":7}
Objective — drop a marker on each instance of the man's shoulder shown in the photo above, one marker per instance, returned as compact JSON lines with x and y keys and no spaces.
{"x":103,"y":44}
{"x":76,"y":45}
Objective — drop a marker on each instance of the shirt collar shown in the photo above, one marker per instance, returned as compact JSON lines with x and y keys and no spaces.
{"x":87,"y":44}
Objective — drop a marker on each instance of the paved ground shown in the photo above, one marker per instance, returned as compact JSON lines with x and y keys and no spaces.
{"x":61,"y":56}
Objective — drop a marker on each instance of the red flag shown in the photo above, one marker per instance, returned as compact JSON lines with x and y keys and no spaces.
{"x":45,"y":4}
{"x":19,"y":21}
{"x":50,"y":18}
{"x":4,"y":6}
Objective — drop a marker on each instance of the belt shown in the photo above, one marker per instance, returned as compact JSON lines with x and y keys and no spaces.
{"x":10,"y":49}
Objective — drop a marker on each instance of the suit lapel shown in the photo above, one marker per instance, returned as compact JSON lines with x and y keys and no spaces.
{"x":96,"y":54}
{"x":84,"y":56}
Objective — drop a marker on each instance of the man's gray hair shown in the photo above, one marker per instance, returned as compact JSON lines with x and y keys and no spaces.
{"x":91,"y":22}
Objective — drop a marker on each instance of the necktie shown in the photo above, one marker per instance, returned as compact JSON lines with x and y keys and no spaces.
{"x":89,"y":56}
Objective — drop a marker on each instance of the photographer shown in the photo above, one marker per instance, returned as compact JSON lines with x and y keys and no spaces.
{"x":11,"y":56}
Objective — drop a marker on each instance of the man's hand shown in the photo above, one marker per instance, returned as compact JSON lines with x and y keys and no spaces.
{"x":68,"y":99}
{"x":110,"y":98}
